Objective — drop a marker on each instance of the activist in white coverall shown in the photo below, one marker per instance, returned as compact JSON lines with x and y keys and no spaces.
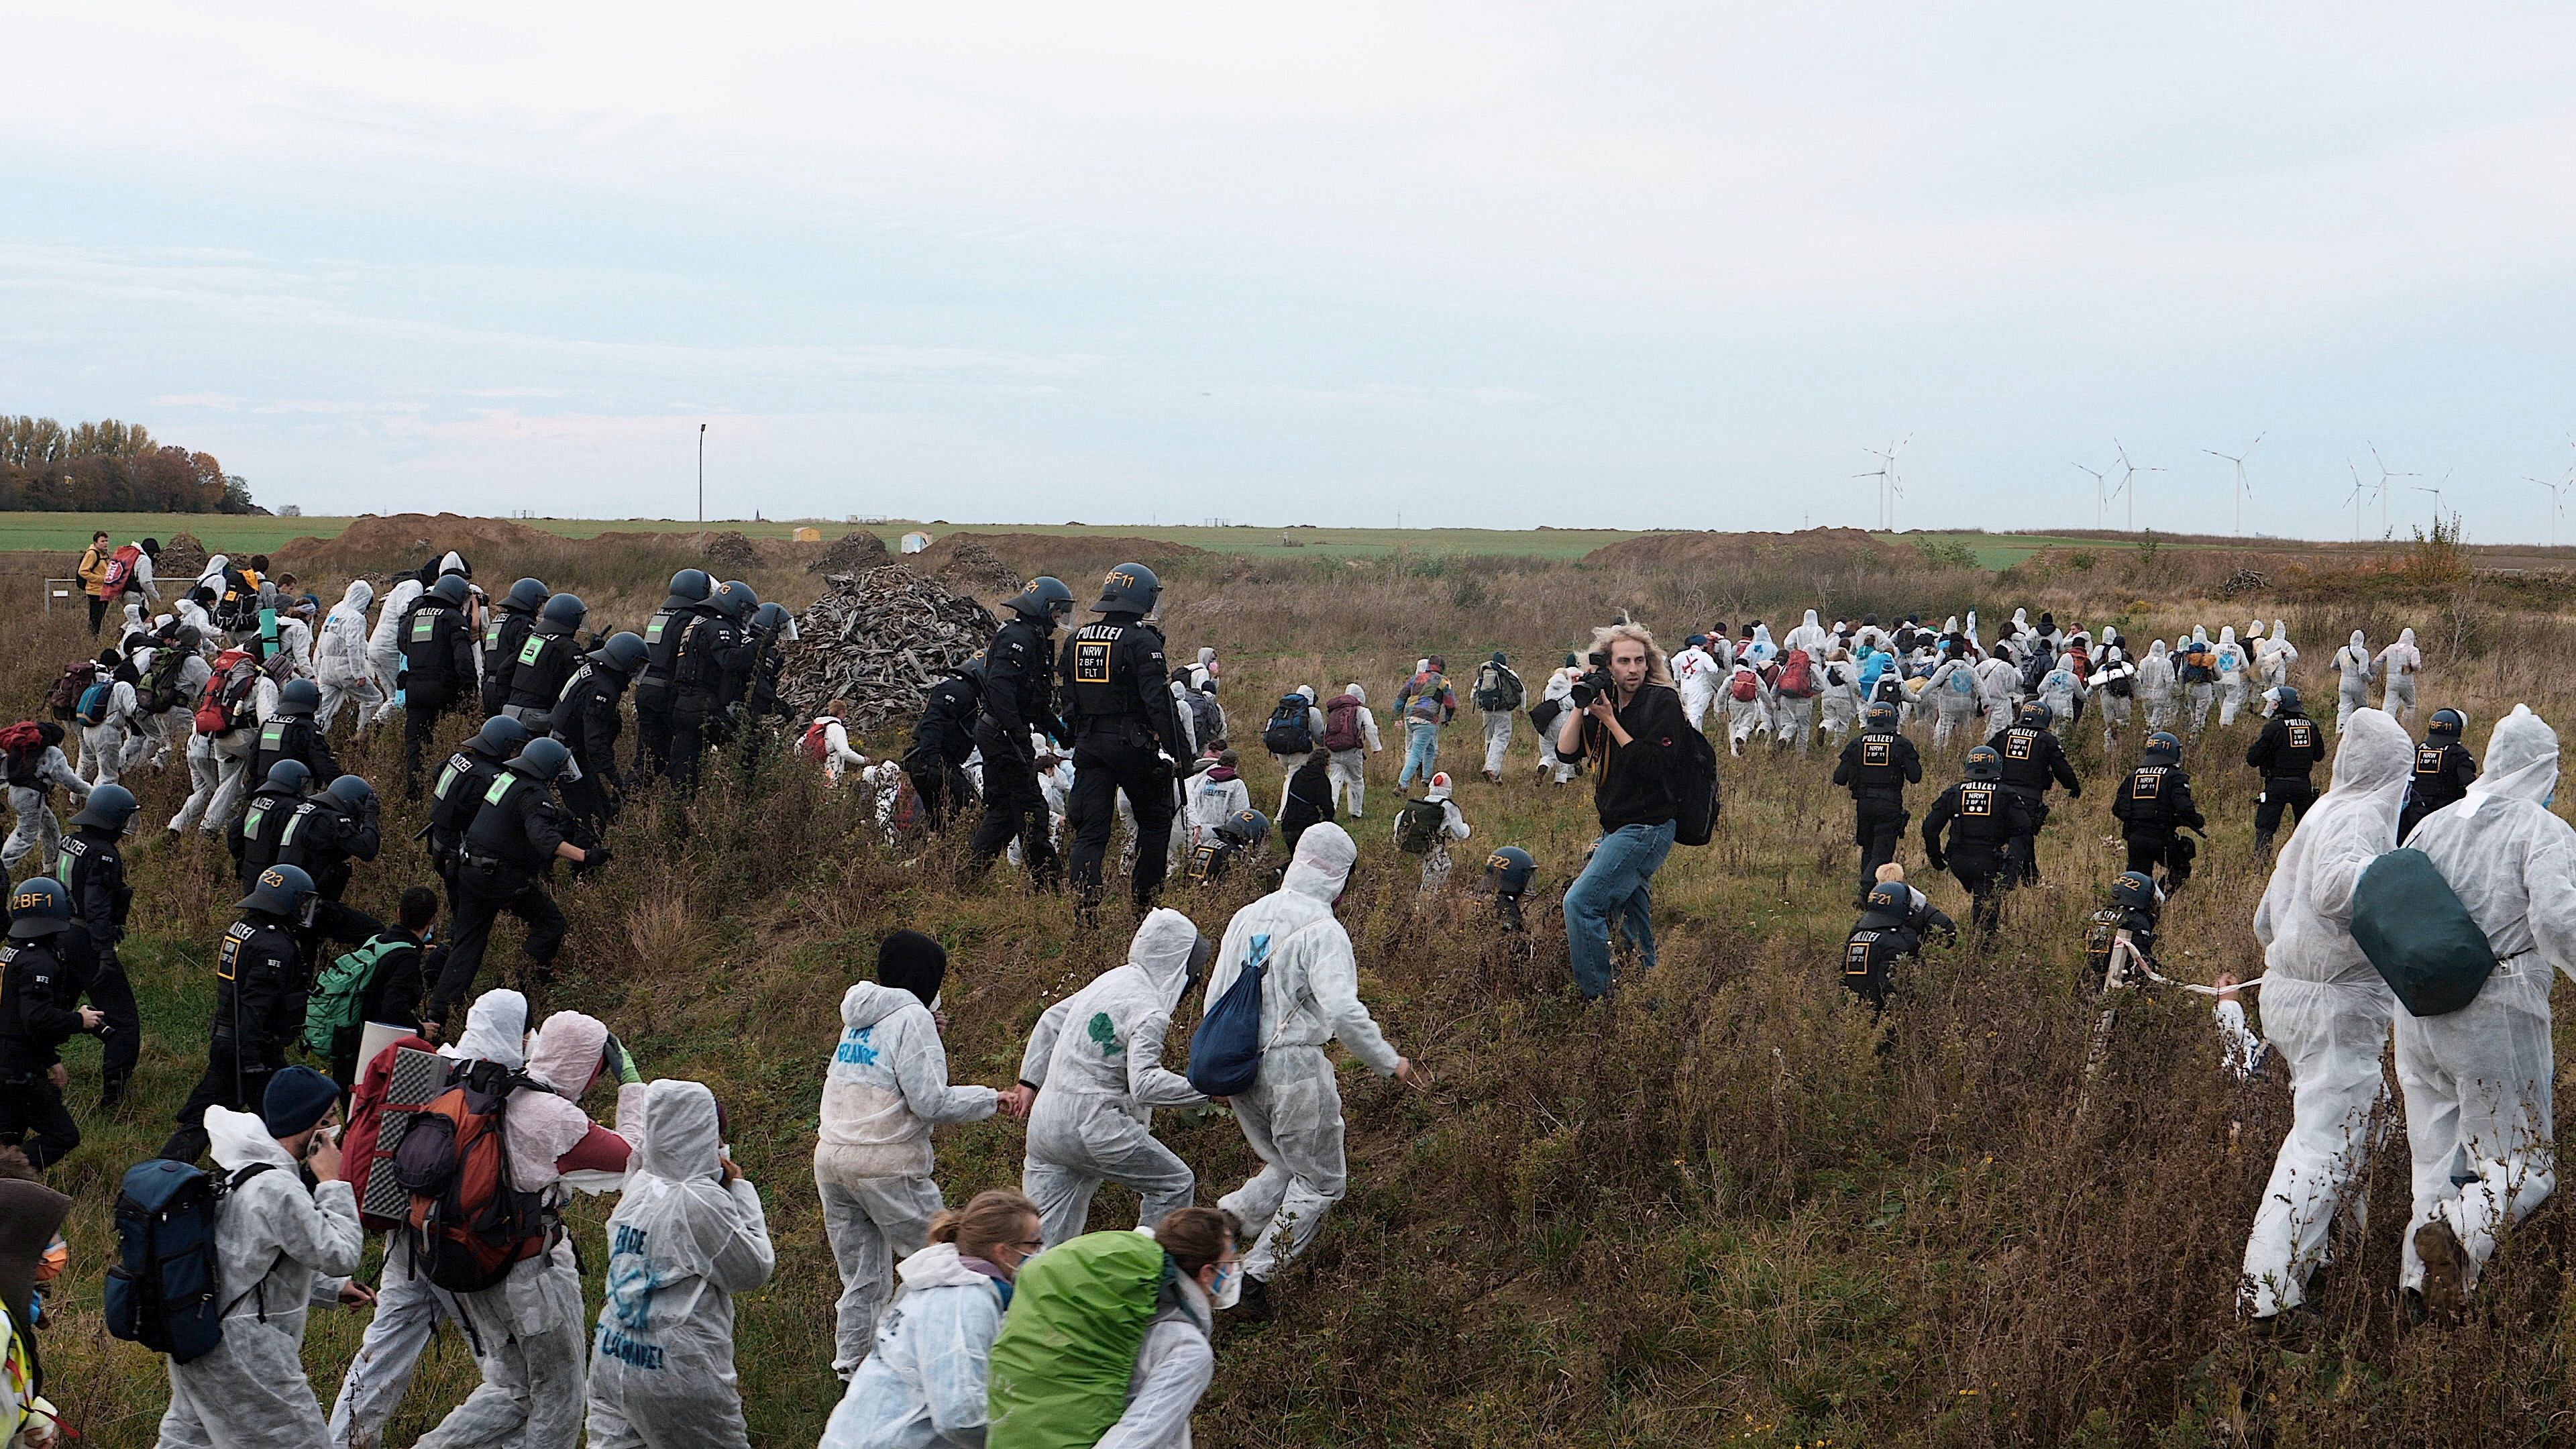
{"x":340,"y":657}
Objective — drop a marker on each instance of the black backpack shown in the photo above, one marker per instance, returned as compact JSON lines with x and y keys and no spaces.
{"x":1418,"y":825}
{"x":1497,"y":688}
{"x":1290,"y":731}
{"x":1694,"y":791}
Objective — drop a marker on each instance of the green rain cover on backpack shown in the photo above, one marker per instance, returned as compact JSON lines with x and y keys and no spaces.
{"x":1059,"y":1370}
{"x":341,"y":989}
{"x":2413,"y":928}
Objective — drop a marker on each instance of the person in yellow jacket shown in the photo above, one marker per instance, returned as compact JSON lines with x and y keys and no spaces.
{"x":93,"y":577}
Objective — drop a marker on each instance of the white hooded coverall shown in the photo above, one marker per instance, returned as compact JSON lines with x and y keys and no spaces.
{"x":2275,"y":655}
{"x":2325,"y":1009}
{"x":1096,"y":1058}
{"x":923,"y":1387}
{"x":2402,"y":661}
{"x":384,"y":646}
{"x":1745,"y":716}
{"x":2156,"y":686}
{"x":340,"y":665}
{"x":1953,"y":688}
{"x":1292,"y":1113}
{"x":1695,"y":676}
{"x":37,"y":832}
{"x":2234,"y":667}
{"x":2353,"y":662}
{"x":1348,"y":769}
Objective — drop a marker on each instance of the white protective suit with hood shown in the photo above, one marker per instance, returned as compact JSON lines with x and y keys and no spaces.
{"x":1838,"y":703}
{"x":384,"y":646}
{"x":2325,"y":1009}
{"x":1953,"y":691}
{"x":887,"y":1086}
{"x":120,"y":740}
{"x":1695,"y":677}
{"x":2156,"y":686}
{"x":2235,"y":669}
{"x":340,"y":657}
{"x":36,"y":831}
{"x":1759,"y":650}
{"x":2353,"y":662}
{"x":1810,"y":636}
{"x":1998,"y":680}
{"x":1096,"y":1058}
{"x":1744,"y":717}
{"x":2275,"y":655}
{"x":529,"y":1329}
{"x":681,"y":1244}
{"x":278,"y":1249}
{"x":2197,"y":697}
{"x":1292,"y":1113}
{"x":1348,"y":769}
{"x":924,"y":1386}
{"x":1436,"y":863}
{"x":2401,"y":662}
{"x":1174,"y":1366}
{"x":2478,"y":1080}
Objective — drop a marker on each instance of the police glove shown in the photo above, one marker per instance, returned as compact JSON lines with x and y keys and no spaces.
{"x":594,"y":858}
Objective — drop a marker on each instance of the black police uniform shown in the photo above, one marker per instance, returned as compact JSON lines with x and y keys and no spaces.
{"x":2033,"y":759}
{"x":1118,"y":706}
{"x":509,"y":852}
{"x":291,"y":737}
{"x":2102,"y":933}
{"x":1019,"y":696}
{"x":714,"y":661}
{"x":254,"y":838}
{"x":323,"y":837}
{"x":1870,"y":953}
{"x":502,"y":640}
{"x":39,"y":980}
{"x":1209,"y":860}
{"x":547,"y":658}
{"x":437,"y":667}
{"x":91,"y":867}
{"x":2154,"y":804}
{"x":588,"y":722}
{"x":2287,"y":752}
{"x":1877,"y":766}
{"x":2444,"y":771}
{"x":1983,"y":819}
{"x":653,"y":684}
{"x":454,"y":801}
{"x":941,"y":741}
{"x":260,"y":985}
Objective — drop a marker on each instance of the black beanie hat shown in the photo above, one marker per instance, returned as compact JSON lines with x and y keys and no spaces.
{"x":914,"y":962}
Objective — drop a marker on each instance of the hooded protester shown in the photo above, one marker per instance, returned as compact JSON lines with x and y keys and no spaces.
{"x":1176,"y":1362}
{"x":2063,"y":689}
{"x":2353,"y":662}
{"x":924,"y":1386}
{"x":1748,"y":706}
{"x":1998,"y":688}
{"x":2325,"y":1010}
{"x":1452,"y":825}
{"x":1215,"y":795}
{"x":2157,"y":686}
{"x":384,"y":645}
{"x":1095,"y":1086}
{"x":688,"y":1235}
{"x":1760,"y":650}
{"x":279,"y":1248}
{"x":1553,"y":767}
{"x":1809,"y":636}
{"x":1838,"y":704}
{"x":2199,"y":675}
{"x":2113,"y":683}
{"x":1314,"y":733}
{"x":1292,"y":1115}
{"x":2401,"y":662}
{"x":886,"y":1087}
{"x":340,"y":657}
{"x":2478,"y":1080}
{"x":117,"y":740}
{"x":2235,"y":668}
{"x":1696,"y":675}
{"x":1350,"y":732}
{"x":1952,"y":690}
{"x":2274,"y":656}
{"x":1497,"y":694}
{"x":33,"y":774}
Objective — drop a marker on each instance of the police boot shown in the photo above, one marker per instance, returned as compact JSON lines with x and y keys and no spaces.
{"x":2263,"y":845}
{"x":111,"y":1091}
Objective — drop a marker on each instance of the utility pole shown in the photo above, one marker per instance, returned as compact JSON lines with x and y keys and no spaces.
{"x":702,"y":475}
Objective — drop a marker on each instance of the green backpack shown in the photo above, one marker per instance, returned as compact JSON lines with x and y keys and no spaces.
{"x":2411,"y":925}
{"x":341,"y":989}
{"x":1418,"y":825}
{"x":1060,"y":1367}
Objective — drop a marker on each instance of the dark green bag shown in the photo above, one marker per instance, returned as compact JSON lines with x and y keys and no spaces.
{"x":2413,"y":928}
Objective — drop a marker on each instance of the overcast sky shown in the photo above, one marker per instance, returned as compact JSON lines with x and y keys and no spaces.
{"x":1670,"y":266}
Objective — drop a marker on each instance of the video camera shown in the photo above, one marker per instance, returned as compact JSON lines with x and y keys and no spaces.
{"x":1595,"y":681}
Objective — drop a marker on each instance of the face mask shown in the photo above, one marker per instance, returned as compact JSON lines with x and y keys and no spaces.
{"x":1228,"y":1287}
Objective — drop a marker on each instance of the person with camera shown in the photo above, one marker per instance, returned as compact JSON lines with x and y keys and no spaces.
{"x":1628,"y":719}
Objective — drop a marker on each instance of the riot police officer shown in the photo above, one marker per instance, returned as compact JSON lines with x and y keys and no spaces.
{"x":941,"y":741}
{"x":288,"y":734}
{"x":2287,"y":752}
{"x":257,"y":836}
{"x":260,"y":984}
{"x":1019,"y":696}
{"x":329,"y":831}
{"x":547,"y":658}
{"x":1238,"y":834}
{"x":2031,"y":760}
{"x":40,"y":978}
{"x":503,"y":636}
{"x":1983,"y":818}
{"x":1508,"y":873}
{"x":1877,"y":941}
{"x":2131,"y":910}
{"x":772,"y":630}
{"x":587,"y":720}
{"x":91,"y":867}
{"x":1876,"y":766}
{"x":681,"y":606}
{"x":2444,"y":770}
{"x":437,"y":665}
{"x":458,"y":795}
{"x":1126,"y":737}
{"x":510,"y":850}
{"x":2154,"y":805}
{"x":708,"y":676}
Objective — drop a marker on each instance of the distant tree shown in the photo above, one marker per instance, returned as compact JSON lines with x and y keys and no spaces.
{"x":109,"y":466}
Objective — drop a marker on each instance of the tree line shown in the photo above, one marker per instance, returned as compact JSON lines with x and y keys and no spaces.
{"x":109,"y":467}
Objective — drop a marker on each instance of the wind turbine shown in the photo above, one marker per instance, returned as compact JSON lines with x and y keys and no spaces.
{"x":2385,"y":474}
{"x":2128,"y":481}
{"x":2557,"y":501}
{"x":2360,"y":490}
{"x":2436,"y":491}
{"x":1889,"y":489}
{"x":2242,"y":487}
{"x":2101,"y":499}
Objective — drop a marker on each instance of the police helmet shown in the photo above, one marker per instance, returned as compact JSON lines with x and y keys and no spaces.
{"x":2285,"y":700}
{"x":298,"y":696}
{"x":565,"y":609}
{"x":290,"y":776}
{"x":624,"y":652}
{"x":1984,"y":763}
{"x":39,"y":906}
{"x":352,"y":791}
{"x":541,"y":759}
{"x":1131,"y":588}
{"x":281,"y":891}
{"x":1891,"y":898}
{"x":2035,"y":715}
{"x":689,"y":586}
{"x":734,"y":599}
{"x":1509,"y":869}
{"x":2165,"y":747}
{"x":1250,"y":827}
{"x":2134,"y":889}
{"x":451,"y":590}
{"x":1044,"y":600}
{"x":771,"y":619}
{"x":2448,"y":724}
{"x":1881,"y":716}
{"x":500,"y":737}
{"x":109,"y":807}
{"x":527,"y":596}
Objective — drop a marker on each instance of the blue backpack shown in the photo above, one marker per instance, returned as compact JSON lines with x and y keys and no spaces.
{"x":1225,"y":1051}
{"x":92,"y":708}
{"x":166,"y":1290}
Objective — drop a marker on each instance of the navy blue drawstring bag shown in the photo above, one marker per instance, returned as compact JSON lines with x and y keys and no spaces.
{"x":1225,"y":1051}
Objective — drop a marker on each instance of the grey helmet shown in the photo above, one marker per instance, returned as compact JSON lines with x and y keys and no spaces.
{"x":1508,"y":870}
{"x":771,"y":620}
{"x":1043,"y":601}
{"x":526,"y":596}
{"x":1985,"y":764}
{"x":291,"y":776}
{"x":451,"y":590}
{"x":500,"y":738}
{"x":565,"y":611}
{"x":689,"y":586}
{"x":624,"y":652}
{"x":282,"y":891}
{"x":38,"y":907}
{"x":541,"y":759}
{"x":1130,"y":588}
{"x":109,"y":807}
{"x":298,"y":697}
{"x":734,"y":600}
{"x":1245,"y":827}
{"x":353,"y":791}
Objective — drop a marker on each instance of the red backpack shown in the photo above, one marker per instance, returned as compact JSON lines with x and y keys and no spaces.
{"x":467,"y":1224}
{"x":380,"y":1111}
{"x":1341,"y":723}
{"x":64,"y":697}
{"x":813,"y":745}
{"x":1746,"y":688}
{"x":120,"y":569}
{"x":224,"y":704}
{"x":1797,"y":676}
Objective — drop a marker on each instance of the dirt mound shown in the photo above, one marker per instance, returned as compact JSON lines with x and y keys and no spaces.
{"x":729,"y":555}
{"x":183,"y":556}
{"x":1814,"y":547}
{"x":852,"y":553}
{"x":381,"y":543}
{"x":977,"y":569}
{"x":1080,"y":559}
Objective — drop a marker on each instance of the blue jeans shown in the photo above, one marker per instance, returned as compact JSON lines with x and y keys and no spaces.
{"x":1421,"y":752}
{"x":1619,"y":882}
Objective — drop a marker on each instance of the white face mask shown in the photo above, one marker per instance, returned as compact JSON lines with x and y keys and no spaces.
{"x":1228,"y":1287}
